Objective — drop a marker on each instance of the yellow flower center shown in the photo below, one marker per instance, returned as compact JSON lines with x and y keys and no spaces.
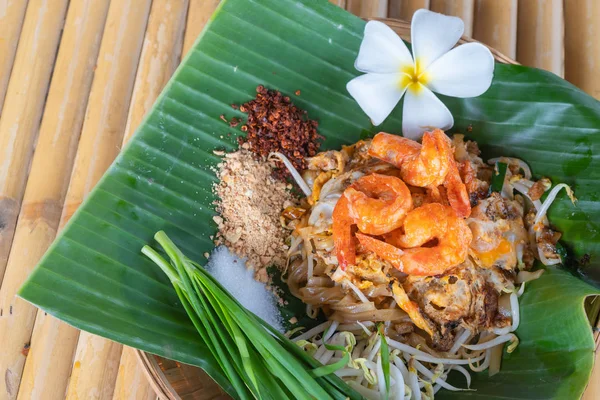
{"x":413,"y":77}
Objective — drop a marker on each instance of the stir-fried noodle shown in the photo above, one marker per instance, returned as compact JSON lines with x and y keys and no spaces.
{"x":408,"y":251}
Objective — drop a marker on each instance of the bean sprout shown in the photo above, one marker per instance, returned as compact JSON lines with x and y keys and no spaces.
{"x":526,"y":276}
{"x":294,"y":172}
{"x":550,"y":199}
{"x":514,"y":161}
{"x":521,"y":187}
{"x":416,"y":371}
{"x":329,"y":332}
{"x":463,"y":371}
{"x":486,"y":362}
{"x":314,"y":331}
{"x":398,"y":389}
{"x":462,"y":338}
{"x":487,"y":345}
{"x":413,"y":381}
{"x":421,"y":368}
{"x":380,"y":377}
{"x":356,"y":290}
{"x":514,"y":311}
{"x":502,"y":331}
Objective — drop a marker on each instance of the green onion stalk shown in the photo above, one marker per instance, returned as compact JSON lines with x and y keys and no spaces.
{"x":498,"y":177}
{"x":385,"y":359}
{"x":260,"y":362}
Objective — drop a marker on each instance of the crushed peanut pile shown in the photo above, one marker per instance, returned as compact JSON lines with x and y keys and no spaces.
{"x":250,"y":204}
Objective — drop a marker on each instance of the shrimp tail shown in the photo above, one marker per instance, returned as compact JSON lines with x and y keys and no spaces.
{"x":344,"y":243}
{"x":411,"y":308}
{"x":456,"y":191}
{"x":382,"y":249}
{"x":393,"y":149}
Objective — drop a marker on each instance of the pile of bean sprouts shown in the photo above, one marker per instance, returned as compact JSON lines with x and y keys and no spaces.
{"x":414,"y":372}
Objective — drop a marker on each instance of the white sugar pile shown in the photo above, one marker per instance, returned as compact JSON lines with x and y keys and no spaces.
{"x":231,"y":272}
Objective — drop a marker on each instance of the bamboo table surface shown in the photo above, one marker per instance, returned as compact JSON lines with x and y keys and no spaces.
{"x":77,"y":77}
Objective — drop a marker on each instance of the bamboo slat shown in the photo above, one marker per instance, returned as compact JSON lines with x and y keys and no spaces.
{"x":403,"y":29}
{"x":102,"y":357}
{"x":44,"y":196}
{"x":110,"y":83}
{"x":394,"y":8}
{"x":161,"y":54}
{"x":404,"y":9}
{"x":96,"y":360}
{"x":12,"y":13}
{"x":25,"y":97}
{"x":198,"y":15}
{"x":592,"y":392}
{"x":582,"y":44}
{"x":339,"y":3}
{"x":48,"y":365}
{"x":540,"y":34}
{"x":368,"y":8}
{"x":18,"y":129}
{"x":495,"y":24}
{"x":463,"y":9}
{"x":132,"y":383}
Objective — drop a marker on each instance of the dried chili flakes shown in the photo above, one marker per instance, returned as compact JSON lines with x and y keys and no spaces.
{"x":275,"y":124}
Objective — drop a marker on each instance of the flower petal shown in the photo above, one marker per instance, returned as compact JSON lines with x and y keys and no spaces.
{"x":377,"y":94}
{"x":381,"y":50}
{"x":465,"y":71}
{"x":423,"y":111}
{"x":432,"y":35}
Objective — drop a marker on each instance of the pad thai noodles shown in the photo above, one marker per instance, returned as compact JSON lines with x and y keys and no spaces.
{"x":417,"y":254}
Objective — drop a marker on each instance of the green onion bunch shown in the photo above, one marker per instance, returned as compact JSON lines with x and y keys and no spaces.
{"x":259,"y":362}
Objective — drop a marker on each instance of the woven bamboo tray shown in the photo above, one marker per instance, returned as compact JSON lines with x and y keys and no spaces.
{"x":173,"y":380}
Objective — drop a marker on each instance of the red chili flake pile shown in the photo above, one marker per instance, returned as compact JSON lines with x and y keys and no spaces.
{"x":275,"y":124}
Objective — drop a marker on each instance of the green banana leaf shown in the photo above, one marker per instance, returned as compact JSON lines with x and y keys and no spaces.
{"x":95,"y":278}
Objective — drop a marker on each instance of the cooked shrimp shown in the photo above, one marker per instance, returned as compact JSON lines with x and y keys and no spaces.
{"x":345,"y":245}
{"x":411,"y":308}
{"x":377,"y":204}
{"x":428,"y":165}
{"x":420,"y":165}
{"x":384,"y":250}
{"x":427,"y":223}
{"x":456,"y":191}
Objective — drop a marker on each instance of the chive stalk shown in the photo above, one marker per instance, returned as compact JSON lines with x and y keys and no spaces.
{"x":260,"y":362}
{"x":384,"y":351}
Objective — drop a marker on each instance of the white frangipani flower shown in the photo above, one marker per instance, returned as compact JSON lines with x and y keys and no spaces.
{"x":434,"y":66}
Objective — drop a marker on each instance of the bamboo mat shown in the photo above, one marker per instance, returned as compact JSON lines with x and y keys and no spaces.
{"x":77,"y":77}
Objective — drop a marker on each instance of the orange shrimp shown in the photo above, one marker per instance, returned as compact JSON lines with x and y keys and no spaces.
{"x":410,"y":307}
{"x":376,"y":204}
{"x":457,"y":193}
{"x":422,"y":225}
{"x":344,"y":243}
{"x":420,"y":165}
{"x":379,"y":203}
{"x":384,"y":250}
{"x":428,"y":165}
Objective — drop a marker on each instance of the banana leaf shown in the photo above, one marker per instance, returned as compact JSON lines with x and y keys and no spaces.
{"x":95,"y":278}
